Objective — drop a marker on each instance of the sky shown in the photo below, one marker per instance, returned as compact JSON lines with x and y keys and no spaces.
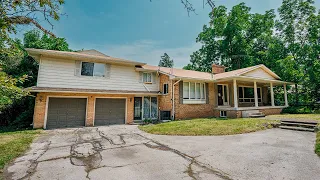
{"x":140,"y":30}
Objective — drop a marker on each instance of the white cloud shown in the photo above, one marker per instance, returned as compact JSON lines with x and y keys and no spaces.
{"x":148,"y":51}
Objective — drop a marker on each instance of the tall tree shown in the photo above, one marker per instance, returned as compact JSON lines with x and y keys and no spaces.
{"x":166,"y":61}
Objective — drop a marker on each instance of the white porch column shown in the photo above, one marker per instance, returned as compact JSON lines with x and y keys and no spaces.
{"x":272,"y":95}
{"x":255,"y":94}
{"x":235,"y":93}
{"x":285,"y":95}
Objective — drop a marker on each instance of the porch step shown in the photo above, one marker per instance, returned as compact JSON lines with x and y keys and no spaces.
{"x":257,"y":115}
{"x":297,"y":128}
{"x":137,"y":122}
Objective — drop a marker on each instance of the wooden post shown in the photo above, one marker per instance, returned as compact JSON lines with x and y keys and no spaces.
{"x":285,"y":95}
{"x":255,"y":94}
{"x":272,"y":95}
{"x":235,"y":93}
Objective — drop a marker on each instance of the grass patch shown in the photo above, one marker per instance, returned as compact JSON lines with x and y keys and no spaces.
{"x":13,"y":144}
{"x":208,"y":127}
{"x":317,"y":146}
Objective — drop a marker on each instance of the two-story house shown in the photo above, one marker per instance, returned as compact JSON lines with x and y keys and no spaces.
{"x":89,"y":88}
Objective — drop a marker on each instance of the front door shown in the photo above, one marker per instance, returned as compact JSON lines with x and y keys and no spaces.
{"x":137,"y":108}
{"x":223,"y":95}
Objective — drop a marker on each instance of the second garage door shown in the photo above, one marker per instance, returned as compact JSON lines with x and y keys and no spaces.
{"x":109,"y":111}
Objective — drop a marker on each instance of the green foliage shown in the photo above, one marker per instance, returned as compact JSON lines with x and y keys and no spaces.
{"x":298,"y":110}
{"x":165,"y":61}
{"x":289,"y":44}
{"x":317,"y":146}
{"x":16,"y":107}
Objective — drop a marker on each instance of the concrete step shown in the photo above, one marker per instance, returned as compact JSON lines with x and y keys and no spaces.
{"x":257,"y":116}
{"x":304,"y":122}
{"x":298,"y":124}
{"x":297,"y":128}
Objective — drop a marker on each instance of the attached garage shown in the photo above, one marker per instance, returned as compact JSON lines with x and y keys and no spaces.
{"x":66,"y":112}
{"x":110,"y":111}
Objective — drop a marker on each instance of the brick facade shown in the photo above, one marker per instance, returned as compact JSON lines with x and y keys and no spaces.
{"x":187,"y":111}
{"x":41,"y":106}
{"x":165,"y":101}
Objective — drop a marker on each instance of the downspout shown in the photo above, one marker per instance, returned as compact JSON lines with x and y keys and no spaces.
{"x":173,"y":110}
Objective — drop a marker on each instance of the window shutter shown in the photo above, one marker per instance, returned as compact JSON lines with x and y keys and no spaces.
{"x":141,"y":77}
{"x":107,"y":71}
{"x":180,"y":92}
{"x":207,"y":93}
{"x":77,"y":68}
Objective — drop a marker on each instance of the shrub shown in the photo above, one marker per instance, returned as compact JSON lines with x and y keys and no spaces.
{"x":298,"y":110}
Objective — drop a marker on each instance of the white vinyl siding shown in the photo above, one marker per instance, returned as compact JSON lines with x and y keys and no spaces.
{"x":61,"y":74}
{"x":259,"y":73}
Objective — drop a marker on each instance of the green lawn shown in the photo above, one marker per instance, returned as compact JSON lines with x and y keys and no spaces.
{"x":13,"y":144}
{"x":315,"y":117}
{"x":208,"y":127}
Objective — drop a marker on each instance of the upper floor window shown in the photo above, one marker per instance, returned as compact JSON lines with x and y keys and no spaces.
{"x":147,"y":77}
{"x":193,"y":90}
{"x":92,"y":69}
{"x":165,"y":88}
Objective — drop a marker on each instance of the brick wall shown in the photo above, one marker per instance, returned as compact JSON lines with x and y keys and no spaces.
{"x":165,"y":103}
{"x":40,"y":106}
{"x":271,"y":111}
{"x":187,"y":111}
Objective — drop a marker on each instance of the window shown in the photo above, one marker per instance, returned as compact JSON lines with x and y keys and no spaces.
{"x":147,"y":77}
{"x":246,"y":94}
{"x":223,"y":113}
{"x":92,"y":69}
{"x":165,"y":88}
{"x":193,"y":90}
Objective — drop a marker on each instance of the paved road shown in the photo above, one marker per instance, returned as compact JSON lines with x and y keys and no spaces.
{"x":124,"y":152}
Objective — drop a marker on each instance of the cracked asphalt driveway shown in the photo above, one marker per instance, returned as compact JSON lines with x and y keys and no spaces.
{"x":124,"y":152}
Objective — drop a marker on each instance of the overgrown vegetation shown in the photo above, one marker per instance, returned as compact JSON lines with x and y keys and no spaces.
{"x":208,"y":127}
{"x":18,"y":112}
{"x":13,"y":144}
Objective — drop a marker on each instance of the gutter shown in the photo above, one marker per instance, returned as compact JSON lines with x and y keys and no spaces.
{"x":173,"y":110}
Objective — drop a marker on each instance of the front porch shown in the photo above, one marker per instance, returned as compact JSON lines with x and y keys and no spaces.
{"x":244,"y":94}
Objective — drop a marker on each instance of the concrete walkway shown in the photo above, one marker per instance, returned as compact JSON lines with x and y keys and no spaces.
{"x":124,"y":152}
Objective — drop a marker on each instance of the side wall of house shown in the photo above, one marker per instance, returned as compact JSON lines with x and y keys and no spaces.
{"x":59,"y":73}
{"x":187,"y":111}
{"x":165,"y":101}
{"x":41,"y":106}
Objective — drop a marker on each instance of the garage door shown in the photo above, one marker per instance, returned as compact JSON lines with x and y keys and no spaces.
{"x":66,"y":112}
{"x":109,"y":111}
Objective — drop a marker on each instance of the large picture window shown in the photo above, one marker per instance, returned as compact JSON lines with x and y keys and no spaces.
{"x":246,"y":94}
{"x":192,"y":90}
{"x":92,"y":69}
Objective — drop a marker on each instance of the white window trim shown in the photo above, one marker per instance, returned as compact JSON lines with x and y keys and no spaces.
{"x":243,"y":98}
{"x":151,"y":78}
{"x":221,"y":114}
{"x":163,"y":86}
{"x":92,"y":72}
{"x":196,"y":101}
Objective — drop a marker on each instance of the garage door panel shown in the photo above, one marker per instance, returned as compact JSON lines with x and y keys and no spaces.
{"x":66,"y":112}
{"x":109,"y":111}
